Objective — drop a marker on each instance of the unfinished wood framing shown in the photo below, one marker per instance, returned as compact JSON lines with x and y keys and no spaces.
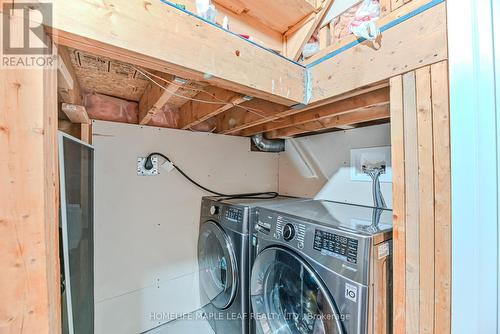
{"x":372,"y":113}
{"x":68,"y":87}
{"x":418,"y":41}
{"x":176,"y":46}
{"x":29,"y":243}
{"x":422,"y":200}
{"x":323,"y":109}
{"x":155,"y":97}
{"x":219,"y":100}
{"x":296,"y":38}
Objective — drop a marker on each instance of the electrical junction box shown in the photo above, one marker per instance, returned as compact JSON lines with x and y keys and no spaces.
{"x":141,"y":171}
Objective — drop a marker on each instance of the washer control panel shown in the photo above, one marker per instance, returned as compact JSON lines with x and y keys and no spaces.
{"x":290,"y":230}
{"x":341,"y":247}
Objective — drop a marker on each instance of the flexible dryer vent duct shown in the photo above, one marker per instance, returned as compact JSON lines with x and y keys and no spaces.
{"x":267,"y":145}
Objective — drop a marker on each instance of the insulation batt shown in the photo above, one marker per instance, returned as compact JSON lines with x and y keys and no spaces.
{"x":107,"y":108}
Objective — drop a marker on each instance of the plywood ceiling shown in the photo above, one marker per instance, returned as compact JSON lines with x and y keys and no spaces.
{"x":103,"y":75}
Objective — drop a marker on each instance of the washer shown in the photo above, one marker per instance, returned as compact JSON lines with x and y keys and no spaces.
{"x":225,"y":255}
{"x":322,"y":267}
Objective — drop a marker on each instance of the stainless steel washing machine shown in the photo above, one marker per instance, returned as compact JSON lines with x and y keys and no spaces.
{"x":225,"y":258}
{"x":322,"y":267}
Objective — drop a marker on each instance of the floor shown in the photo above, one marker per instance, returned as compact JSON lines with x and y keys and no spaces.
{"x":191,"y":324}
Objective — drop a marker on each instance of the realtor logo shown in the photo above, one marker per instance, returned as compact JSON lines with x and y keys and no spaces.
{"x":30,"y":17}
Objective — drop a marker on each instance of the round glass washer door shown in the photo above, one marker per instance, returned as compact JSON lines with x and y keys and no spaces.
{"x":288,"y":297}
{"x":217,"y":264}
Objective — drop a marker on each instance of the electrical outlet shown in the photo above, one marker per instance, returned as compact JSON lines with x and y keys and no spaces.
{"x":371,"y":156}
{"x":141,"y":171}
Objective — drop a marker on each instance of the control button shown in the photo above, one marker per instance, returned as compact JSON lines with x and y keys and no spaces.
{"x":288,"y":232}
{"x":214,"y":210}
{"x":300,"y":245}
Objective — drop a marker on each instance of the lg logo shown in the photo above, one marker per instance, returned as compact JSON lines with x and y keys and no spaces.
{"x":351,"y":292}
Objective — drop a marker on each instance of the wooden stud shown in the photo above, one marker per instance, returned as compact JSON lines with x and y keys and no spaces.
{"x":75,"y":113}
{"x":372,"y":113}
{"x":155,"y":97}
{"x":86,"y":133}
{"x":29,"y":216}
{"x":399,"y":202}
{"x":442,"y":194}
{"x":412,"y":203}
{"x":426,"y":199}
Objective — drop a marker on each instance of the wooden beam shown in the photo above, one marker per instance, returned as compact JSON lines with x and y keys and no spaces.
{"x":345,"y":104}
{"x":155,"y":98}
{"x":237,"y":119}
{"x":297,"y":37}
{"x":415,"y":43}
{"x":389,"y":17}
{"x":76,"y":113}
{"x":29,"y":257}
{"x":378,"y":97}
{"x":164,"y":38}
{"x":68,"y":86}
{"x":220,"y":100}
{"x":364,"y":115}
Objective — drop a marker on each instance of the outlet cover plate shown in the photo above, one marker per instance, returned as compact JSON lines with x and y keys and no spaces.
{"x":141,"y":171}
{"x":360,"y":156}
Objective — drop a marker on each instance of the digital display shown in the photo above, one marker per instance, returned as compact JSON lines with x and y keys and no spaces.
{"x":234,"y":214}
{"x":335,"y":245}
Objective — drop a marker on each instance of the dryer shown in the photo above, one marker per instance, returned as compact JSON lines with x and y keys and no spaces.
{"x":225,"y":255}
{"x":322,"y":267}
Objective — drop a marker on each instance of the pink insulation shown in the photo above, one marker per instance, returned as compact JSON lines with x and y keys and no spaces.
{"x":166,"y":118}
{"x":107,"y":108}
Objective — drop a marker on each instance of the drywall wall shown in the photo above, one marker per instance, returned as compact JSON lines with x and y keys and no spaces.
{"x":327,"y":160}
{"x":146,"y":227}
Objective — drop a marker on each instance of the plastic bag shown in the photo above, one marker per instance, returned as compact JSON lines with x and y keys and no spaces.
{"x":206,"y":10}
{"x":364,"y":23}
{"x":312,"y":47}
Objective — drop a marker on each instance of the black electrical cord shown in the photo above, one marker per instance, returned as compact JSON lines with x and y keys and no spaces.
{"x":148,"y":165}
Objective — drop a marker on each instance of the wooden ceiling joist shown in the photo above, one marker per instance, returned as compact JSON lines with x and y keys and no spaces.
{"x":68,"y":87}
{"x":155,"y":97}
{"x":219,"y":100}
{"x":257,"y":111}
{"x":372,"y":113}
{"x":177,"y":43}
{"x":344,"y":104}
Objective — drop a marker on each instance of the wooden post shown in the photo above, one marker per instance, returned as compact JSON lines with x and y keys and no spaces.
{"x":29,"y":256}
{"x":421,"y":200}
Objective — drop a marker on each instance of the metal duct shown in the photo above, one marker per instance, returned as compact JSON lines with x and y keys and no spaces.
{"x":267,"y":145}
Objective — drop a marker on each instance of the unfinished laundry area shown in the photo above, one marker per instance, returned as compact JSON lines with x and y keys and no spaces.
{"x":230,"y":167}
